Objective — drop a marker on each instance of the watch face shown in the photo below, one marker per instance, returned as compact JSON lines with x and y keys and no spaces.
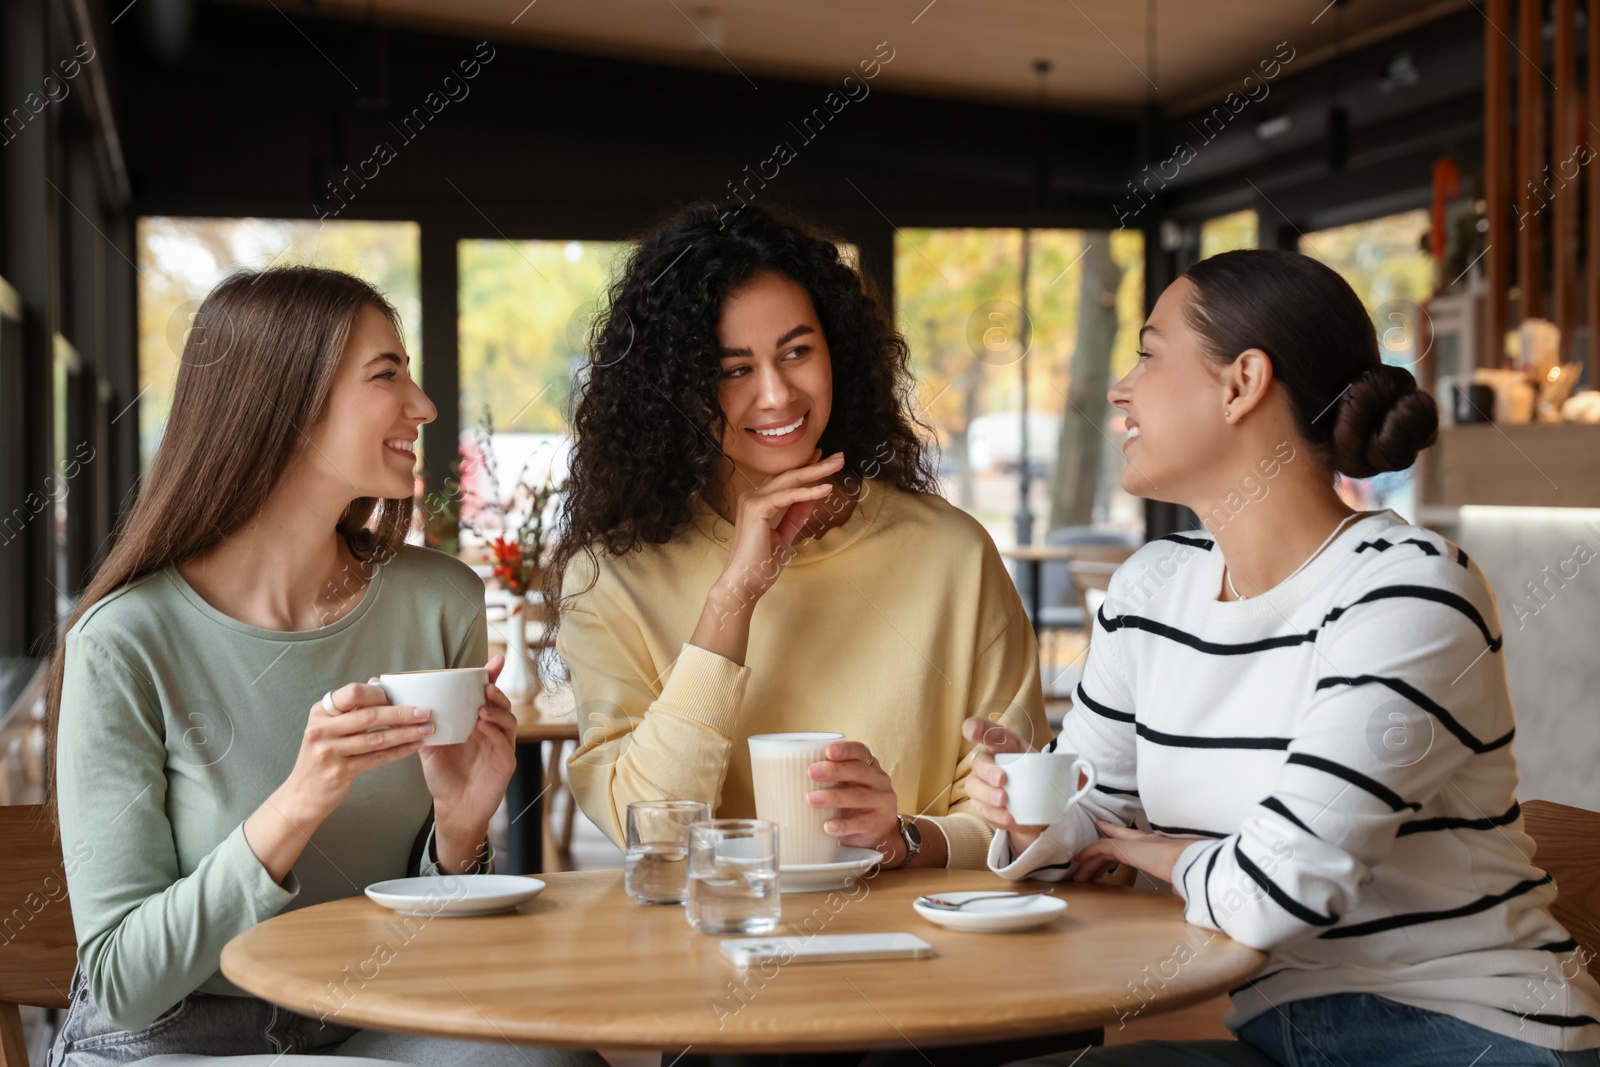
{"x":912,"y":834}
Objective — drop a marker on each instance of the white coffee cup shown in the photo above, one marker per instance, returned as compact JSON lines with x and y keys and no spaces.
{"x":1041,"y":786}
{"x":778,"y":765}
{"x":455,"y":694}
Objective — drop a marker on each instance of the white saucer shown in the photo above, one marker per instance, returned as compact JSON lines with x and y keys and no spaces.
{"x":848,"y":863}
{"x":1000,"y":915}
{"x":455,"y":895}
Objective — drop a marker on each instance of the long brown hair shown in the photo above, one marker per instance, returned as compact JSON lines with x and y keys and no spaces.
{"x":256,"y":371}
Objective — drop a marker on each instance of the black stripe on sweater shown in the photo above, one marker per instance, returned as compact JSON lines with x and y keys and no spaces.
{"x":1445,"y":822}
{"x":1200,"y":644}
{"x":1426,"y":703}
{"x":1186,"y":831}
{"x":1461,"y":556}
{"x":1274,"y":804}
{"x":1383,"y":546}
{"x":1554,"y":1020}
{"x":1236,"y":990}
{"x":1101,"y":709}
{"x":1284,"y":900}
{"x":1158,"y":737}
{"x":1114,"y":791}
{"x":1355,"y":778}
{"x":1416,"y":918}
{"x":1568,"y":945}
{"x":1205,"y":887}
{"x":1192,"y":542}
{"x":1421,"y":592}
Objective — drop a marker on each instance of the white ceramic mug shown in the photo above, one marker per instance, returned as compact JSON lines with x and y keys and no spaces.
{"x":1041,"y":786}
{"x":455,"y":694}
{"x":778,"y":764}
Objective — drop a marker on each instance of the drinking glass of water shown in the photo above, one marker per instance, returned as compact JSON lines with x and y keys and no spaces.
{"x":657,"y":857}
{"x":733,"y":876}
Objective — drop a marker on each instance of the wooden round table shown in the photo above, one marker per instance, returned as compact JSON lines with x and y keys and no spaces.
{"x":581,"y":966}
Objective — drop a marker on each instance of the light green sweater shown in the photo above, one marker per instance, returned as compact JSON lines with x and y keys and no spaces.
{"x":177,"y":722}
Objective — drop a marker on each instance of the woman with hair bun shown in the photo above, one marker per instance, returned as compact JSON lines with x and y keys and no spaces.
{"x":1300,"y":717}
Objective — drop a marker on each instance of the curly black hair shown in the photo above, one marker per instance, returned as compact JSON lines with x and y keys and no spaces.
{"x":647,"y":422}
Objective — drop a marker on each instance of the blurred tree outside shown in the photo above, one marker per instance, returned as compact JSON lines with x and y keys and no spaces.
{"x":948,"y":283}
{"x":525,"y":311}
{"x":1228,"y":232}
{"x":180,"y":260}
{"x":1078,"y":454}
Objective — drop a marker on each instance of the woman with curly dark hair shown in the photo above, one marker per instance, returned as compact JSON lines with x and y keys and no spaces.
{"x":745,"y":438}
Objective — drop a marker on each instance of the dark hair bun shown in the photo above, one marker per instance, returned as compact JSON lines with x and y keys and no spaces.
{"x":1383,"y":421}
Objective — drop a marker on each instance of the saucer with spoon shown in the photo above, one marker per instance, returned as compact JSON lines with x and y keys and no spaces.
{"x":990,"y":912}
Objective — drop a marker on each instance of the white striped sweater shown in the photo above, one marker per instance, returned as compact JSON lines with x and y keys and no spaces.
{"x":1342,"y":745}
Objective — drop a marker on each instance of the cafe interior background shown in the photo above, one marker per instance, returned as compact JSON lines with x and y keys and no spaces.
{"x":1022,"y":177}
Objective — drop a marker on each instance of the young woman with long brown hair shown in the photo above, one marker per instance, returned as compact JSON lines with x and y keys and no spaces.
{"x":215,"y":757}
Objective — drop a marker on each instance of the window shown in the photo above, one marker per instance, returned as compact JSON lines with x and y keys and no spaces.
{"x":1228,"y":232}
{"x":956,"y":291}
{"x":1384,"y":262}
{"x":182,"y":259}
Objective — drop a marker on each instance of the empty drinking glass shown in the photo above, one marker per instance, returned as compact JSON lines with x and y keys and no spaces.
{"x":657,"y":857}
{"x":733,"y":876}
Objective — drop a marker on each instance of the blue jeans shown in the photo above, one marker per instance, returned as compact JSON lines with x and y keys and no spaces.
{"x":1341,"y":1030}
{"x":203,"y":1024}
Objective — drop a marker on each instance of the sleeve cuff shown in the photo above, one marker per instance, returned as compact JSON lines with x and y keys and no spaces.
{"x":706,"y":688}
{"x":1047,"y":859}
{"x":428,"y":865}
{"x":967,"y":840}
{"x":1187,"y":859}
{"x":263,"y":896}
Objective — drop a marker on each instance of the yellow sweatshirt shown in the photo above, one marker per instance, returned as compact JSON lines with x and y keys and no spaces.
{"x":891,"y":629}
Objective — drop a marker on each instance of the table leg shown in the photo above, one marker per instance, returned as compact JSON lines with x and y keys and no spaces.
{"x":525,"y":808}
{"x":1036,"y":593}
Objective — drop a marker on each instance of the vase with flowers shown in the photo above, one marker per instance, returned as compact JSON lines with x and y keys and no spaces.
{"x":517,"y":529}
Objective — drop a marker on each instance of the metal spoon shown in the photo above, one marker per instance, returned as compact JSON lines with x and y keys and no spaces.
{"x":956,"y":905}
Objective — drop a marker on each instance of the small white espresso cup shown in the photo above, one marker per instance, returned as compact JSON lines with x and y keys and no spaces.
{"x":778,"y":765}
{"x":1041,"y":786}
{"x":455,"y":695}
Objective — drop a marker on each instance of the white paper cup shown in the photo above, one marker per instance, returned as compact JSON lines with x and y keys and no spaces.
{"x":455,"y":695}
{"x":1041,"y":786}
{"x":778,"y":765}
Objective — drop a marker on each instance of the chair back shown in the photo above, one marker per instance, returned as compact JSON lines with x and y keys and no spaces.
{"x":1565,"y":840}
{"x":1062,"y":582}
{"x":38,"y":947}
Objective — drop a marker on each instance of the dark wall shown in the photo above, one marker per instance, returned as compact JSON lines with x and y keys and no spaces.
{"x":254,"y":120}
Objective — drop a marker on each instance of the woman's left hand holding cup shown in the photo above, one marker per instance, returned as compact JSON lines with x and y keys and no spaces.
{"x":468,"y":781}
{"x":864,"y":794}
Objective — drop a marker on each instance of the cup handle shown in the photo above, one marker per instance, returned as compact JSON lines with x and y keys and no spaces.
{"x":1081,"y":765}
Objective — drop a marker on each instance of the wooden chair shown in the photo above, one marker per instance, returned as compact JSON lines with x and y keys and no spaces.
{"x":1567,"y":844}
{"x":38,"y":947}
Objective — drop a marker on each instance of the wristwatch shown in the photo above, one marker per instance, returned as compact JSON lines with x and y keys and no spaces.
{"x":912,"y":837}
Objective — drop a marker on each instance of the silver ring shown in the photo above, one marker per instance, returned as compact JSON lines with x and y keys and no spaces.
{"x":869,"y":759}
{"x":327,"y":703}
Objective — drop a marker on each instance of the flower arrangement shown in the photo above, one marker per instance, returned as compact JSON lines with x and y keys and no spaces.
{"x":522,"y":532}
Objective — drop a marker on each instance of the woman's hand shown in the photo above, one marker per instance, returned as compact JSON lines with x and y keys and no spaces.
{"x":468,"y":781}
{"x":864,"y":795}
{"x":1154,"y":854}
{"x":767,"y":518}
{"x":335,"y":750}
{"x":986,"y":783}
